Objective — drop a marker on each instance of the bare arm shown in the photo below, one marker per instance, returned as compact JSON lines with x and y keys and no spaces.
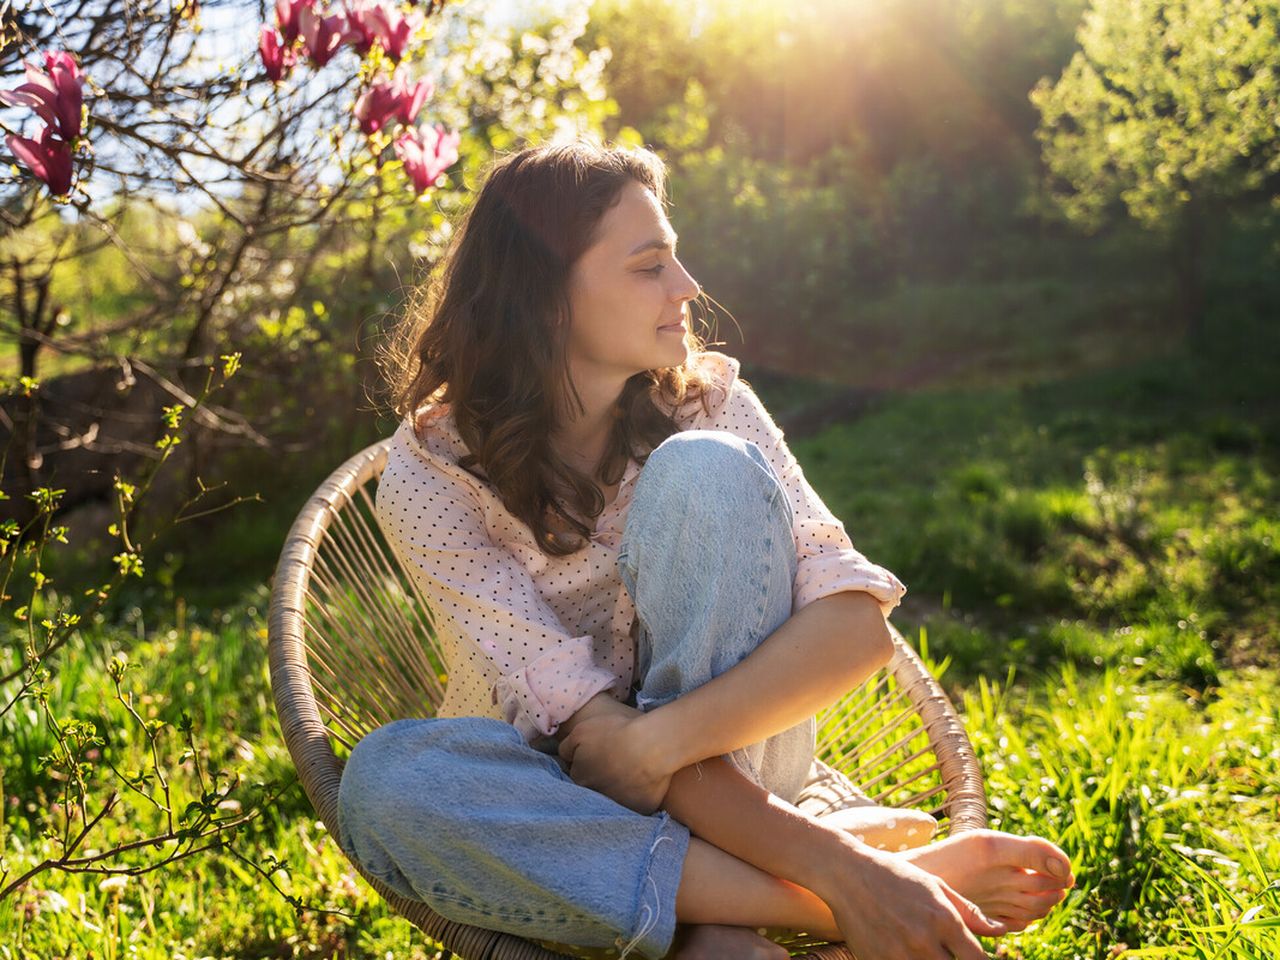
{"x":818,"y":655}
{"x":814,"y":658}
{"x":880,"y":904}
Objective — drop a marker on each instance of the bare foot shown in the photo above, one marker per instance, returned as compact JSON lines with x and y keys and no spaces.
{"x":1013,"y":879}
{"x":713,"y":941}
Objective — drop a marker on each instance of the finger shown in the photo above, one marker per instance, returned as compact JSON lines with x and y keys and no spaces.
{"x":568,"y":747}
{"x":963,"y":945}
{"x":974,"y":919}
{"x":1020,"y":912}
{"x":1016,"y":926}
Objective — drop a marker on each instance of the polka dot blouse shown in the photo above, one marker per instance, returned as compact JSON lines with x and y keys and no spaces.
{"x":530,"y":638}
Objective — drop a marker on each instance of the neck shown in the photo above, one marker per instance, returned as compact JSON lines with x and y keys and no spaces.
{"x":582,"y":436}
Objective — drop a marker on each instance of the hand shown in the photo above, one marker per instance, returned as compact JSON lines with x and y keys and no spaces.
{"x":608,"y":750}
{"x":890,"y":909}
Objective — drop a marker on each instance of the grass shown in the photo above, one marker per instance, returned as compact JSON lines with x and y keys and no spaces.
{"x":1140,"y":499}
{"x":1166,"y":803}
{"x":1093,"y":567}
{"x":1166,"y":799}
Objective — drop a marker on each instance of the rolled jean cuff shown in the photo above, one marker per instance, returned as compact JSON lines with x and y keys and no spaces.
{"x":655,"y":925}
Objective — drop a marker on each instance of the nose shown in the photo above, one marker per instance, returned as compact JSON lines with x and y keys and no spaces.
{"x":688,"y":288}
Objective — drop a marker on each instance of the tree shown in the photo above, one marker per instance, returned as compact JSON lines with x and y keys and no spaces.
{"x":1170,"y":110}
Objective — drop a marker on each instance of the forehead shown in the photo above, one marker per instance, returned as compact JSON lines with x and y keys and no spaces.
{"x":636,"y":218}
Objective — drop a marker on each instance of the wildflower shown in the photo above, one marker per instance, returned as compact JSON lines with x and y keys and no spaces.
{"x":51,"y":902}
{"x":114,"y":883}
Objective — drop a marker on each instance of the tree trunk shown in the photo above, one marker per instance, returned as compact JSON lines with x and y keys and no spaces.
{"x":1189,"y":267}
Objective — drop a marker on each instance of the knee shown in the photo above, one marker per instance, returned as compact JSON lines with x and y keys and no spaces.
{"x":699,"y":457}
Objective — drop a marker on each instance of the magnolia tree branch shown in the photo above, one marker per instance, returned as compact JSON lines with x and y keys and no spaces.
{"x":162,"y":116}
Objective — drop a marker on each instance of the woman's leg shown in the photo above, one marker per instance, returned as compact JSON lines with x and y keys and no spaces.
{"x":462,"y":814}
{"x":541,"y":856}
{"x":708,"y":556}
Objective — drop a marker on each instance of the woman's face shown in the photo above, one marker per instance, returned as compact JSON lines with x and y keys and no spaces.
{"x":627,"y":294}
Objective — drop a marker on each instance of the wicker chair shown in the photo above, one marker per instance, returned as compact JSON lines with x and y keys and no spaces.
{"x":351,"y":648}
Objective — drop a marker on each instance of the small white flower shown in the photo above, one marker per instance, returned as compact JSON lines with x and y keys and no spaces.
{"x":52,"y":901}
{"x":115,"y":883}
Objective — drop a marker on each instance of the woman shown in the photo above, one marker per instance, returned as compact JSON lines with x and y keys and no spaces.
{"x":642,"y":605}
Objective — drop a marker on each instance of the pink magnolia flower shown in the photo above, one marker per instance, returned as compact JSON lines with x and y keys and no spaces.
{"x":411,"y":98}
{"x":47,"y":158}
{"x":386,"y":101}
{"x":55,"y":94}
{"x":277,"y":56}
{"x":374,"y":21}
{"x":427,"y":152}
{"x":377,"y":107}
{"x":288,"y":13}
{"x":322,"y":36}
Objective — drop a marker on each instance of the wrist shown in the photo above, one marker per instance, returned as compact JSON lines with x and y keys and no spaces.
{"x":839,"y":855}
{"x":657,"y":745}
{"x":601,"y":702}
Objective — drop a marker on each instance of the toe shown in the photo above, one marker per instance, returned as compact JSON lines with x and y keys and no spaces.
{"x":1045,"y":856}
{"x":1026,"y":909}
{"x":1032,"y":882}
{"x":995,"y":847}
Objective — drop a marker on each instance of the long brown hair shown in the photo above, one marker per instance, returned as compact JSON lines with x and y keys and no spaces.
{"x":487,"y":334}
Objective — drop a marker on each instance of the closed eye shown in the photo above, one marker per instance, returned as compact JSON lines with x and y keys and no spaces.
{"x":655,"y":270}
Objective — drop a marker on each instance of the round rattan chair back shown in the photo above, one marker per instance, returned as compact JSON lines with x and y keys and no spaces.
{"x":351,"y":648}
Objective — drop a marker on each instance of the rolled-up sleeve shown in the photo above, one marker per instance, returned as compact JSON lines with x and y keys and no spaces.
{"x":483,"y":597}
{"x":827,"y":561}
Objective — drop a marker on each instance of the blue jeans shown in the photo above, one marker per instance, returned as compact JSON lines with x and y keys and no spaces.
{"x":461,"y":813}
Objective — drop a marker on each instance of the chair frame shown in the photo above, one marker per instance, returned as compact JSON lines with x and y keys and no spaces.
{"x":295,"y":592}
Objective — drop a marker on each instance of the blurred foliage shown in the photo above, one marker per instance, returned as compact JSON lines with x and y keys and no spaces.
{"x":1169,"y":110}
{"x":1165,"y":100}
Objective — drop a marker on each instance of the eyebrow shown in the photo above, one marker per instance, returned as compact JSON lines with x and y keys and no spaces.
{"x":661,"y":243}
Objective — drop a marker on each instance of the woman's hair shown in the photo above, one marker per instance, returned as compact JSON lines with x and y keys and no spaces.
{"x":487,"y":334}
